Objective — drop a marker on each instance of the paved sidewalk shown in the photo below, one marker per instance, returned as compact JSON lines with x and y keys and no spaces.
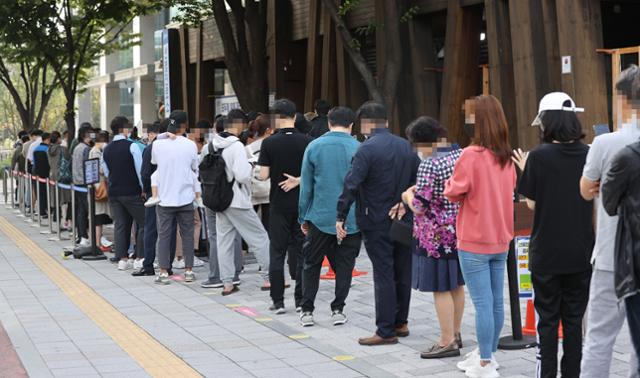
{"x":217,"y":336}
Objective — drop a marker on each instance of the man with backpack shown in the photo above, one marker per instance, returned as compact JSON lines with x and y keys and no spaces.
{"x":225,"y":173}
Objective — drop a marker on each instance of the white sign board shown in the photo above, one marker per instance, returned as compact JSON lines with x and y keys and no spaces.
{"x":525,"y":288}
{"x":91,"y":171}
{"x":166,"y":72}
{"x":224,"y":104}
{"x":566,"y":64}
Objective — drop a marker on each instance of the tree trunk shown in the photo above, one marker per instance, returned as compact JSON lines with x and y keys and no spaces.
{"x":393,"y":54}
{"x":70,"y":116}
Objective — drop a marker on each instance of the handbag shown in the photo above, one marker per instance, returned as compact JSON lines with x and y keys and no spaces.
{"x":101,"y":193}
{"x":400,"y":230}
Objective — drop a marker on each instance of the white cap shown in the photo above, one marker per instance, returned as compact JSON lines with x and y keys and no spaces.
{"x":555,"y":101}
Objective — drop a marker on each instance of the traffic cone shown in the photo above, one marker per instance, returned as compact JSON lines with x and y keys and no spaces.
{"x":529,"y":328}
{"x":330,"y":275}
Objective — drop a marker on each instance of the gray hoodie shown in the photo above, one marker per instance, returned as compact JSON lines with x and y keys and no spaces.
{"x":237,"y":167}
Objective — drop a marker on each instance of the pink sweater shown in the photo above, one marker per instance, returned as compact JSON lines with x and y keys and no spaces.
{"x":485,"y":191}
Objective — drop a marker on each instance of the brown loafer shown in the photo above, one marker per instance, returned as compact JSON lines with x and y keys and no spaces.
{"x":402,"y":330}
{"x":377,"y":340}
{"x":439,"y":351}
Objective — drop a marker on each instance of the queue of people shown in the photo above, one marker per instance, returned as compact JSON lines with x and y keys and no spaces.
{"x":432,"y":216}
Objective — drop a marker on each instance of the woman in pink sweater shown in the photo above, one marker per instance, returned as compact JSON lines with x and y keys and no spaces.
{"x":483,"y":182}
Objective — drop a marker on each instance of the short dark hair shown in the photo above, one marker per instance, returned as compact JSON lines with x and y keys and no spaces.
{"x":118,"y":123}
{"x":301,"y":124}
{"x":83,"y":131}
{"x":22,"y":133}
{"x":102,"y":137}
{"x":322,"y":107}
{"x":425,"y":130}
{"x":66,"y":132}
{"x":35,"y":132}
{"x":203,"y":124}
{"x":341,"y":116}
{"x":237,"y":114}
{"x":629,"y":85}
{"x":154,"y":128}
{"x":25,"y":138}
{"x":55,"y":136}
{"x":252,"y":115}
{"x":372,"y":110}
{"x":46,"y":135}
{"x":284,"y":107}
{"x":164,"y":125}
{"x":220,"y":121}
{"x":561,"y":126}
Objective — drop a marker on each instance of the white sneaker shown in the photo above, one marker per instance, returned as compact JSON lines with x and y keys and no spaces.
{"x":478,"y":371}
{"x":105,"y":242}
{"x":197,"y":262}
{"x":197,"y":203}
{"x":151,"y":202}
{"x":137,"y":264}
{"x":178,"y":264}
{"x":472,"y":359}
{"x":84,"y":243}
{"x":124,"y":265}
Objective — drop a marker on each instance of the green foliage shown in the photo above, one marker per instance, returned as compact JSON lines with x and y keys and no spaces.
{"x":347,"y":6}
{"x":192,"y":12}
{"x":368,"y":29}
{"x":408,"y":15}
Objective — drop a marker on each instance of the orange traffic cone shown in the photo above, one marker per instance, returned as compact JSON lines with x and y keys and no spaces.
{"x":529,"y":328}
{"x":330,"y":275}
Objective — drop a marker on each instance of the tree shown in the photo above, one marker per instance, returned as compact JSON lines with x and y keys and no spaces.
{"x":384,"y":87}
{"x":30,"y":85}
{"x":70,"y":36}
{"x":242,"y":26}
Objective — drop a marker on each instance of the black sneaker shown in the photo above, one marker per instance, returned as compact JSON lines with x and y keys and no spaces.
{"x":208,"y":284}
{"x":277,"y":309}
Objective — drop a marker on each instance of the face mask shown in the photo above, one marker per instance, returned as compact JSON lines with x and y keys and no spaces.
{"x":469,"y":130}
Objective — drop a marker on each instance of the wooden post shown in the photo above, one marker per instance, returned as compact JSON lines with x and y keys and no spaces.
{"x":341,"y":66}
{"x":423,"y":61}
{"x":199,"y":75}
{"x":328,"y":83}
{"x":461,"y":75}
{"x":311,"y":81}
{"x":184,"y":68}
{"x":501,"y":61}
{"x":579,"y":35}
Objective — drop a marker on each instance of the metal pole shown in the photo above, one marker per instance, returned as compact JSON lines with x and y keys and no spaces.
{"x":13,"y":195}
{"x":38,"y":199}
{"x":58,"y":217}
{"x":21,"y":195}
{"x":73,"y":216}
{"x":32,"y":217}
{"x":4,"y":186}
{"x":49,"y":212}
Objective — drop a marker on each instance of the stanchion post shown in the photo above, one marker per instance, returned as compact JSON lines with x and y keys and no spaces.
{"x":22,"y":195}
{"x":13,"y":199}
{"x":58,"y":217}
{"x":50,"y":215}
{"x":38,"y":203}
{"x":4,"y":186}
{"x":73,"y":216}
{"x":31,"y":206}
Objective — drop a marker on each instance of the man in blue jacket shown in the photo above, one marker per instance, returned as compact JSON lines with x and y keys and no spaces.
{"x":324,"y":166}
{"x":383,"y":167}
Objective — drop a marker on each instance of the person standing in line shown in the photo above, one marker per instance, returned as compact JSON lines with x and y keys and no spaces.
{"x":319,"y":124}
{"x":483,"y":182}
{"x":603,"y":322}
{"x":41,"y":169}
{"x":214,"y":281}
{"x":562,"y":236}
{"x":384,"y":166}
{"x":621,"y":198}
{"x":56,"y":152}
{"x":260,"y":129}
{"x":280,"y":158}
{"x":27,"y":153}
{"x":324,"y":167}
{"x":80,"y":154}
{"x":177,"y":160}
{"x":122,"y":164}
{"x":239,"y":217}
{"x":17,"y":160}
{"x":103,"y":212}
{"x":435,"y":254}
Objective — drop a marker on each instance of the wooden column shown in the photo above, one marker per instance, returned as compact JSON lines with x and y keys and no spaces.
{"x":199,"y":104}
{"x":423,"y":61}
{"x":341,"y":67}
{"x":501,"y":79}
{"x":278,"y":25}
{"x":579,"y":35}
{"x":184,"y":68}
{"x":328,"y":83}
{"x":311,"y":90}
{"x":461,"y":72}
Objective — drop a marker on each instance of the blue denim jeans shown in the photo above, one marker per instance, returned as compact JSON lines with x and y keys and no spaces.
{"x":484,"y":275}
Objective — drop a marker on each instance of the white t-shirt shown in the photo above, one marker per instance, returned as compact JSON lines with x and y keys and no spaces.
{"x":602,"y":151}
{"x":177,"y":160}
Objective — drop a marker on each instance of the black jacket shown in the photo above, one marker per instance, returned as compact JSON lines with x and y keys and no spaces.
{"x":319,"y":126}
{"x":384,"y":166}
{"x":147,"y":169}
{"x":621,"y":196}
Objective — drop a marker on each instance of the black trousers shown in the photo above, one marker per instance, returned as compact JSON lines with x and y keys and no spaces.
{"x":82,"y":214}
{"x":42,"y":203}
{"x":125,"y":210}
{"x":560,"y":297}
{"x":284,"y":232}
{"x":391,"y":280}
{"x":633,"y":318}
{"x":342,"y":259}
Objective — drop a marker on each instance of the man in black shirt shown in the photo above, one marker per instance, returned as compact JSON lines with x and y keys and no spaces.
{"x":281,"y":158}
{"x":320,"y":124}
{"x":562,"y":236}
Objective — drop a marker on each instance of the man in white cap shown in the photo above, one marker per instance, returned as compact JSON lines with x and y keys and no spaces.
{"x":562,"y":234}
{"x":606,"y":314}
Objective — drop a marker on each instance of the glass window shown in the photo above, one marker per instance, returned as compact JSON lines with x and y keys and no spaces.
{"x":157,"y":40}
{"x":126,"y":101}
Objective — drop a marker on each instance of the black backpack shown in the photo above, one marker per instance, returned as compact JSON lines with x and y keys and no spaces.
{"x":217,"y":192}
